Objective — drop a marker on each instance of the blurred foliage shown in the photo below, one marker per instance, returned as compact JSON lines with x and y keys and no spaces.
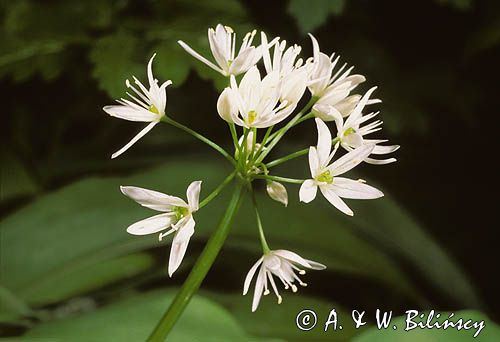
{"x":312,"y":14}
{"x":68,"y":267}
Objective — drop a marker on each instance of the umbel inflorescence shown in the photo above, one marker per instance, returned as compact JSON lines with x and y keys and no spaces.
{"x":264,"y":86}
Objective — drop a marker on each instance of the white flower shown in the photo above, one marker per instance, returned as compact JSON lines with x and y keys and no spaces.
{"x":282,"y":264}
{"x":325,"y":175}
{"x":332,"y":90}
{"x":351,"y":134}
{"x":222,"y":42}
{"x":257,"y":100}
{"x":177,"y":215}
{"x":149,"y":106}
{"x":277,"y":192}
{"x":293,"y":76}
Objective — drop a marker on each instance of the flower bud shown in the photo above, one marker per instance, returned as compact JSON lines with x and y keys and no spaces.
{"x":277,"y":192}
{"x":226,"y":105}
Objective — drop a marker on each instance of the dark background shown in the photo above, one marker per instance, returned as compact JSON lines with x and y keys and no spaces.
{"x":435,"y":63}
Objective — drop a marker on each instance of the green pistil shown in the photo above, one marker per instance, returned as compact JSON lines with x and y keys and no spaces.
{"x":348,"y":131}
{"x":181,"y":212}
{"x":251,"y":116}
{"x":325,"y":177}
{"x":153,"y":109}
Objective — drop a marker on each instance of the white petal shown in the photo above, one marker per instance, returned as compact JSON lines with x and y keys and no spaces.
{"x":293,"y":257}
{"x":350,"y":160}
{"x":385,"y":149}
{"x":335,"y":200}
{"x":347,"y":105}
{"x":313,"y":161}
{"x":324,"y":142}
{"x":250,"y":274}
{"x":199,"y":57}
{"x":244,"y":61}
{"x":315,"y":265}
{"x":227,"y":105}
{"x":353,"y":140}
{"x":380,"y":161}
{"x":180,"y":243}
{"x":193,"y":195}
{"x":217,"y":41}
{"x":152,"y":199}
{"x":153,"y":224}
{"x":308,"y":191}
{"x":150,"y":71}
{"x":129,"y":113}
{"x":259,"y":286}
{"x":329,"y":113}
{"x":348,"y":188}
{"x":139,"y":135}
{"x":357,"y":112}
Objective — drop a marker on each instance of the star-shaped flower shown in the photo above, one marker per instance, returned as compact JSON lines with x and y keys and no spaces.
{"x":350,"y":133}
{"x":148,"y":106}
{"x":325,"y":175}
{"x":222,"y":42}
{"x":281,"y":264}
{"x":177,"y":215}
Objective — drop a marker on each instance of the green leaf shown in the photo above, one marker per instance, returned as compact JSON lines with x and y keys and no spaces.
{"x":388,"y":225}
{"x":312,"y":14}
{"x":133,"y":319}
{"x":171,"y":63}
{"x":273,"y":320}
{"x":84,"y":277}
{"x":113,"y":57}
{"x":490,"y":332}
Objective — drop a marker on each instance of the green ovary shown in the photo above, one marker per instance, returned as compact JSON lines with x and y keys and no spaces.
{"x":348,"y":131}
{"x":181,"y":212}
{"x":153,"y":109}
{"x":251,"y":116}
{"x":325,"y":177}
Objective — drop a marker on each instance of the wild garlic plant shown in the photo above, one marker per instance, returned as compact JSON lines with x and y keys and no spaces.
{"x":258,"y":105}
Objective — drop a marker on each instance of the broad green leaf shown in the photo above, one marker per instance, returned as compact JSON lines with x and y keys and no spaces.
{"x":171,"y":63}
{"x":312,"y":14}
{"x":133,"y":318}
{"x":114,"y":58}
{"x":273,"y":320}
{"x":388,"y":225}
{"x":489,"y":333}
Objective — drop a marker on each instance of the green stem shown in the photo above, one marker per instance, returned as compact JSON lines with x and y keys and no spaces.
{"x":279,"y":179}
{"x":281,"y":132}
{"x":200,"y":269}
{"x":217,"y":190}
{"x":293,"y":155}
{"x":234,"y":135}
{"x":200,"y":137}
{"x":308,"y":116}
{"x":263,"y":242}
{"x":263,"y":143}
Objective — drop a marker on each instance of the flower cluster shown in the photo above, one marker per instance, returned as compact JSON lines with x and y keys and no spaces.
{"x":257,"y":105}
